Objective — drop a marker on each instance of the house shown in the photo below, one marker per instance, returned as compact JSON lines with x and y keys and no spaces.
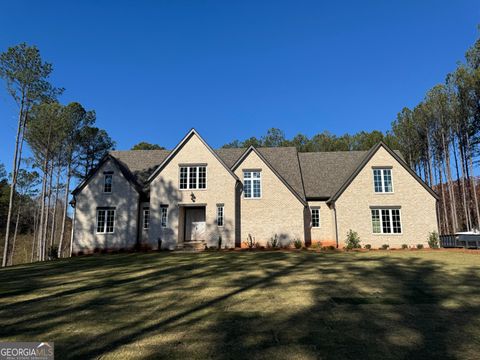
{"x":194,"y":196}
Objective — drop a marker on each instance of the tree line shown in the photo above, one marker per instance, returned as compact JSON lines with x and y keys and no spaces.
{"x":64,"y":143}
{"x":439,"y":138}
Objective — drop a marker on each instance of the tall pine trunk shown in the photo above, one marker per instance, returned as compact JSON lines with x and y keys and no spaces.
{"x":464,"y":191}
{"x":65,"y":208}
{"x":15,"y":232}
{"x":473,"y":186}
{"x":450,"y":185}
{"x":42,"y":209}
{"x":444,"y":204}
{"x":54,"y":218}
{"x":47,"y":215}
{"x":14,"y":181}
{"x":35,"y":229}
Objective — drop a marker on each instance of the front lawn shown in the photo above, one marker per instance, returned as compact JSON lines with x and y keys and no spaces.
{"x":248,"y":305}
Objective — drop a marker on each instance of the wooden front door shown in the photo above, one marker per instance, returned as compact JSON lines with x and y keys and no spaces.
{"x":195,"y":224}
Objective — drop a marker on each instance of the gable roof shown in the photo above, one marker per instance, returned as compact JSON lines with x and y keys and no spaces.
{"x":172,"y":154}
{"x":122,"y":167}
{"x":283,"y":161}
{"x":365,"y":160}
{"x":309,"y":176}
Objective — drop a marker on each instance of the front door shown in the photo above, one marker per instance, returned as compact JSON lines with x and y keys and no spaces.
{"x":194,"y":224}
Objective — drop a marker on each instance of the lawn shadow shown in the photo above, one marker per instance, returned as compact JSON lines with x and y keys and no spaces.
{"x":246,"y":305}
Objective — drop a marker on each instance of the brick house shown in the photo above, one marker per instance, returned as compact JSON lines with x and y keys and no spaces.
{"x":194,"y":196}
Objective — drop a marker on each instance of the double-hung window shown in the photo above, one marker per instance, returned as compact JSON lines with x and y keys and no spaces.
{"x":220,"y":215}
{"x":164,"y":216}
{"x":382,"y":180}
{"x":316,"y":217}
{"x":105,"y":221}
{"x":146,"y":218}
{"x":386,"y":221}
{"x":107,"y":182}
{"x":193,"y":177}
{"x":252,"y":184}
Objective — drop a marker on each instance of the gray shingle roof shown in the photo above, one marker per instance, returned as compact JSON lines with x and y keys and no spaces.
{"x":310,"y":175}
{"x":325,"y":172}
{"x":141,"y":163}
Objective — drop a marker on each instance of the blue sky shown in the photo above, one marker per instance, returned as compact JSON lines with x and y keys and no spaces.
{"x":233,"y":69}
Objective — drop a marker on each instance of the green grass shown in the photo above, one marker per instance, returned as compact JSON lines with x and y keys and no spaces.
{"x":248,"y":305}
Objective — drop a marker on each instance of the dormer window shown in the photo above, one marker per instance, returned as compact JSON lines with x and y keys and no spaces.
{"x":382,"y":180}
{"x":193,"y":177}
{"x":107,"y":182}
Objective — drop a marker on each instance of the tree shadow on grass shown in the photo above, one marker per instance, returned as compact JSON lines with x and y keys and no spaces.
{"x":247,"y":305}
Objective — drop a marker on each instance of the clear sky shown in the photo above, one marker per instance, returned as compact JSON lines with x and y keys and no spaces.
{"x":232,"y":69}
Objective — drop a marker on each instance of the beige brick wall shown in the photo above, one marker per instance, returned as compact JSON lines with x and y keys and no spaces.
{"x":124,"y":198}
{"x":164,"y":190}
{"x":278,"y":211}
{"x":418,"y":206}
{"x":326,"y":232}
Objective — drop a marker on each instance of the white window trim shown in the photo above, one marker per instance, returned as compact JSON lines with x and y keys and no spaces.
{"x":145,"y":210}
{"x":311,"y":214}
{"x":391,"y":220}
{"x":221,"y":206}
{"x":382,"y":180}
{"x":188,"y":167}
{"x":251,"y":181}
{"x":161,"y":216}
{"x":104,"y":232}
{"x":111,"y":184}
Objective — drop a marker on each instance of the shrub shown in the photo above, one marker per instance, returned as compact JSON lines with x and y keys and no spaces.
{"x":250,"y":242}
{"x":385,"y":246}
{"x":353,"y":240}
{"x":316,"y":245}
{"x":419,"y":246}
{"x":274,"y":242}
{"x":368,"y":246}
{"x":433,"y":242}
{"x":297,"y":243}
{"x":404,"y":246}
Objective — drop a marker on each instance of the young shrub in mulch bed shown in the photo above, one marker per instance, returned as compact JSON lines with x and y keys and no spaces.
{"x":352,"y":241}
{"x":433,"y":241}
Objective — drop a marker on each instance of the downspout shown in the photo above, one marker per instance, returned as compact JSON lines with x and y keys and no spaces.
{"x":72,"y":238}
{"x":336,"y":225}
{"x":139,"y":223}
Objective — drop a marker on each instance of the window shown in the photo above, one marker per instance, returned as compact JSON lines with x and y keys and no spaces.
{"x":193,"y":177}
{"x":220,"y":215}
{"x":252,"y":184}
{"x":315,"y":217}
{"x":146,"y":218}
{"x":107,"y":183}
{"x":164,"y":215}
{"x":105,"y":221}
{"x":386,"y":221}
{"x":382,"y":180}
